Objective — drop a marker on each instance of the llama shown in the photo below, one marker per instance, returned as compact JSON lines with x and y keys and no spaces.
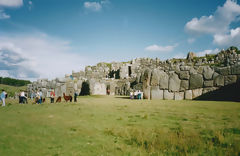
{"x":59,"y":99}
{"x":67,"y":98}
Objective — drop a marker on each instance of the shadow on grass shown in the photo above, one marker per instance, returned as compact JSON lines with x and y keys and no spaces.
{"x":226,"y":93}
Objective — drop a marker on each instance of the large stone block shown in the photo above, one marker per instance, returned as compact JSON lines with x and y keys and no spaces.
{"x":209,"y":89}
{"x":196,"y":81}
{"x":208,"y":72}
{"x":98,"y":88}
{"x":188,"y":94}
{"x":184,"y":85}
{"x":146,"y":78}
{"x":156,"y":93}
{"x":163,"y":80}
{"x":218,"y":81}
{"x":208,"y":83}
{"x":230,"y":79}
{"x":184,"y":75}
{"x":197,"y":92}
{"x":168,"y":95}
{"x":184,"y":68}
{"x":223,"y":70}
{"x":155,"y":77}
{"x":192,"y":71}
{"x":147,"y":92}
{"x":179,"y":96}
{"x":200,"y":69}
{"x":146,"y":83}
{"x":174,"y":82}
{"x":235,"y":69}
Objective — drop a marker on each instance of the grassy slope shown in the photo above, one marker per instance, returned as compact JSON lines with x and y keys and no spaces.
{"x":117,"y":126}
{"x":11,"y":89}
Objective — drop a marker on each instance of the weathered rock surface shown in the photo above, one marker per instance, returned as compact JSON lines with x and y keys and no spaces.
{"x":208,"y":72}
{"x":230,"y":79}
{"x":146,"y":83}
{"x":174,"y":82}
{"x":235,"y":70}
{"x":184,"y":75}
{"x":163,"y":80}
{"x":196,"y":92}
{"x":156,"y":93}
{"x":196,"y":81}
{"x":209,"y":89}
{"x":155,"y":77}
{"x":188,"y":94}
{"x":191,"y":55}
{"x":184,"y":85}
{"x":218,"y":81}
{"x":179,"y":96}
{"x":168,"y":95}
{"x":208,"y":83}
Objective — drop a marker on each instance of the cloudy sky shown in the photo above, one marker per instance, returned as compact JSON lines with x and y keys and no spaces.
{"x":50,"y":38}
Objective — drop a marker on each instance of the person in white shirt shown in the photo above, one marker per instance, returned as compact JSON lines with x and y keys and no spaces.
{"x":23,"y":97}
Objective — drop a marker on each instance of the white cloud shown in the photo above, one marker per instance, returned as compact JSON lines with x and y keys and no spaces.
{"x":179,"y":56}
{"x":3,"y":15}
{"x":158,"y":48}
{"x":38,"y":55}
{"x":209,"y":51}
{"x":95,"y":6}
{"x":8,"y":4}
{"x":230,"y":39}
{"x":11,"y":3}
{"x":218,"y":23}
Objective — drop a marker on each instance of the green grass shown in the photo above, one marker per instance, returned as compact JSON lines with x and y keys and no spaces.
{"x":107,"y":125}
{"x":12,"y":89}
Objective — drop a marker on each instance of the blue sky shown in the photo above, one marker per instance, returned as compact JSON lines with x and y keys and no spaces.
{"x":49,"y":38}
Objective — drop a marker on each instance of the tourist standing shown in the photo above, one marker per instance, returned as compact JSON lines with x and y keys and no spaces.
{"x":23,"y":98}
{"x":135,"y":95}
{"x":40,"y":96}
{"x":3,"y":97}
{"x":75,"y":96}
{"x":131,"y":95}
{"x":52,"y":96}
{"x":37,"y":97}
{"x":139,"y":95}
{"x":32,"y":95}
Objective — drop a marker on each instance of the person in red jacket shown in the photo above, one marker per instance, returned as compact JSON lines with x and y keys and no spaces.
{"x":52,"y":96}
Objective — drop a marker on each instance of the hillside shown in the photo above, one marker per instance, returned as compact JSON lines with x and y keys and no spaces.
{"x":12,"y":89}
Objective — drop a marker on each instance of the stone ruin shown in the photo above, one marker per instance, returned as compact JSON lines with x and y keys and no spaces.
{"x":173,"y":79}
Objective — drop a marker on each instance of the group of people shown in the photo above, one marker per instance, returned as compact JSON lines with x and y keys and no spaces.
{"x":136,"y":94}
{"x":38,"y":96}
{"x":3,"y":96}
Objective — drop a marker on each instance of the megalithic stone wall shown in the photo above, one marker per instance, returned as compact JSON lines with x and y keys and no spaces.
{"x":170,"y":79}
{"x":188,"y":82}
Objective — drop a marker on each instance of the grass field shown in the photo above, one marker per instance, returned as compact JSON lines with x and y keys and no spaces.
{"x":107,"y":125}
